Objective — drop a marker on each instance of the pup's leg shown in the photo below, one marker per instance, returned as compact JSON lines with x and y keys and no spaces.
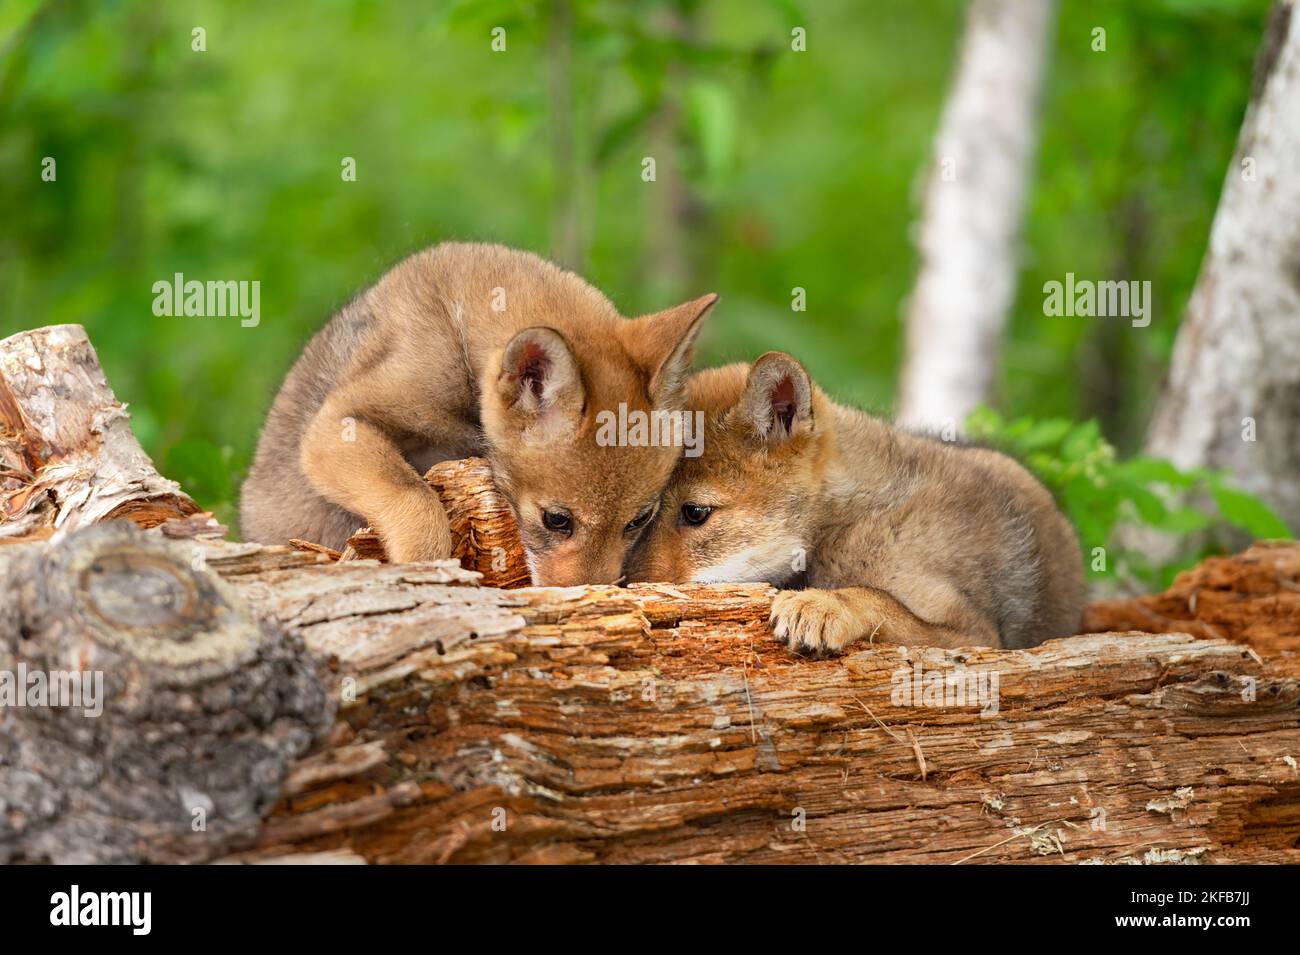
{"x":822,"y":621}
{"x":355,"y":464}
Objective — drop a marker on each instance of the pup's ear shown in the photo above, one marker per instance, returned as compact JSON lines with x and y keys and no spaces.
{"x":662,"y":344}
{"x":539,"y":386}
{"x":777,"y":402}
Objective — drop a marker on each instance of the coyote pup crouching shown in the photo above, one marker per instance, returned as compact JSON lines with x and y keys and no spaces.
{"x":898,"y":537}
{"x":465,"y":350}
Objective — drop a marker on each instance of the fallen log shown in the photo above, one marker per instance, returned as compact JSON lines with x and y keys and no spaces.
{"x":653,"y":723}
{"x":660,"y":723}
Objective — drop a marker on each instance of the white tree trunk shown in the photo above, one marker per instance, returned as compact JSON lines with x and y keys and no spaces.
{"x":971,"y":218}
{"x":1236,"y":362}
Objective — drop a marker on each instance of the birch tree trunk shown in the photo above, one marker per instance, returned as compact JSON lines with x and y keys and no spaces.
{"x":1232,"y":400}
{"x":971,"y":218}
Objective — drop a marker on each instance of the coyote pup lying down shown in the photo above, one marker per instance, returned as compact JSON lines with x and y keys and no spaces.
{"x":897,"y":537}
{"x":464,"y":350}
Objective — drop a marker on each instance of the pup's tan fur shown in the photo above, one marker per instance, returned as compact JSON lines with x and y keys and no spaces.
{"x":898,"y":537}
{"x":463,"y":350}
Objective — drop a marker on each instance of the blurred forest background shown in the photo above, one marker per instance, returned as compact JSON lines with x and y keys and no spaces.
{"x":776,"y":169}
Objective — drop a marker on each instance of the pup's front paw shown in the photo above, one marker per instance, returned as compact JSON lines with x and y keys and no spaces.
{"x":407,"y":544}
{"x":812,"y":621}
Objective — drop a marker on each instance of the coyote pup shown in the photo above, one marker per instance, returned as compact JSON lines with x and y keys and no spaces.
{"x":897,"y":537}
{"x":467,"y":349}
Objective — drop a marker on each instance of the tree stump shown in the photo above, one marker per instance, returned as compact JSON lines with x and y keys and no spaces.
{"x":68,"y":457}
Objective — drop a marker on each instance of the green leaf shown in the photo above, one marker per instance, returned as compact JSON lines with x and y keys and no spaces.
{"x":1147,"y":470}
{"x":1248,"y":512}
{"x":1183,"y":520}
{"x":983,"y":423}
{"x":1081,"y":440}
{"x":1045,"y":434}
{"x":1149,"y":506}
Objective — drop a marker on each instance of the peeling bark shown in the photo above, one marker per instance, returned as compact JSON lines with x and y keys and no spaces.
{"x":68,"y":457}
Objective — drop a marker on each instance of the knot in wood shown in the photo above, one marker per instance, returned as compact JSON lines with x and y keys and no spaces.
{"x":188,"y":711}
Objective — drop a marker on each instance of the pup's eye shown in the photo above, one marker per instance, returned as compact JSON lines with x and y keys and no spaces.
{"x":557,"y":521}
{"x":696,"y":514}
{"x":641,"y":520}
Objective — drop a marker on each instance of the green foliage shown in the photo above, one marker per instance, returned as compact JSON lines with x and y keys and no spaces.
{"x":1098,"y":491}
{"x":798,"y":171}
